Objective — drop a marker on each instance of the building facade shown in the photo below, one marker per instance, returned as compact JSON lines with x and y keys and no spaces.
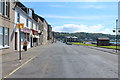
{"x":49,"y":38}
{"x":26,"y":16}
{"x":45,"y":32}
{"x":36,"y":29}
{"x":6,"y":26}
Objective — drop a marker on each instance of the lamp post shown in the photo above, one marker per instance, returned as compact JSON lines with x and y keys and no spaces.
{"x":21,"y":25}
{"x":117,"y":30}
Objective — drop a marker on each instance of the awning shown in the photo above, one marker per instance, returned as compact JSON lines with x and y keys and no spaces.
{"x":34,"y":32}
{"x":25,"y":30}
{"x":35,"y":36}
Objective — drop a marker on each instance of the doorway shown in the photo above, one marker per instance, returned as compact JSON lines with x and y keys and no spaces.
{"x":16,"y":41}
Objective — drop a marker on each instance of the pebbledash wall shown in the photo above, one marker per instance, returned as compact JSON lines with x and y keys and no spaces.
{"x":6,"y":26}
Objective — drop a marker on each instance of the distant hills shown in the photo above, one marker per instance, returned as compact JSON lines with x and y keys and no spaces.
{"x":84,"y":35}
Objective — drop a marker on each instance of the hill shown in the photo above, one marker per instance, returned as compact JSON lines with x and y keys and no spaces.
{"x":83,"y":35}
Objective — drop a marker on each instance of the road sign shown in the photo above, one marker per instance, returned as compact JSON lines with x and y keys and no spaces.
{"x":20,"y":25}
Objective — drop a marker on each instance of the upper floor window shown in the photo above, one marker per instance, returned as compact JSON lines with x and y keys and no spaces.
{"x":18,"y":17}
{"x":30,"y":12}
{"x":32,"y":25}
{"x":7,"y":8}
{"x":27,"y":22}
{"x":1,"y":7}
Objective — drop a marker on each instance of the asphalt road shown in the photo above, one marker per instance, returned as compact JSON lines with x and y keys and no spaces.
{"x":69,"y":61}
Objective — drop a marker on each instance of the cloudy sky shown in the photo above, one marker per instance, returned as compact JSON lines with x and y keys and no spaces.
{"x":92,"y":17}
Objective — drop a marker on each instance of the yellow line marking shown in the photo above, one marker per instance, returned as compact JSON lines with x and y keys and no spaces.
{"x":18,"y":68}
{"x":46,"y":67}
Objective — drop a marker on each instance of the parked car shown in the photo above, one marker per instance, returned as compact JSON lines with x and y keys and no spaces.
{"x":68,"y":43}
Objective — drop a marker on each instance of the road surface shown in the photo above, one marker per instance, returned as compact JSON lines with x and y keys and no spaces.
{"x":69,"y":61}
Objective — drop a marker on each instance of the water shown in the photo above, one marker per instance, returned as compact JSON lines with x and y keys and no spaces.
{"x":115,"y":42}
{"x":110,"y":42}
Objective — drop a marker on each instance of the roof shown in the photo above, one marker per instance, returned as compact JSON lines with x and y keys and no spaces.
{"x":102,"y":38}
{"x":71,"y":37}
{"x":23,"y":7}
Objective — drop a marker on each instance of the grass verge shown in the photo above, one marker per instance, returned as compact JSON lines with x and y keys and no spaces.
{"x":111,"y":47}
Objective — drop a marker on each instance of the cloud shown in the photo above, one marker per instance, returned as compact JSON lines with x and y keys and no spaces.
{"x":82,"y":28}
{"x":94,"y":6}
{"x":82,"y":6}
{"x":58,"y":16}
{"x":81,"y":17}
{"x":69,"y":0}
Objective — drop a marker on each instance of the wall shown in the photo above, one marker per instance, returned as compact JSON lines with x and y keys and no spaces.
{"x":45,"y":33}
{"x":9,"y":23}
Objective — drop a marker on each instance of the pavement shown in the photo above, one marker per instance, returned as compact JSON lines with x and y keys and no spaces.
{"x":113,"y":51}
{"x":11,"y":61}
{"x":59,"y":60}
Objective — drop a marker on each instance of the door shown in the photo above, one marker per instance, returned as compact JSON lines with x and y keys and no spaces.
{"x":31,"y":41}
{"x":16,"y":43}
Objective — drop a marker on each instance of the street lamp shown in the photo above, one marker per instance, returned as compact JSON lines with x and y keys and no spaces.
{"x":117,"y":30}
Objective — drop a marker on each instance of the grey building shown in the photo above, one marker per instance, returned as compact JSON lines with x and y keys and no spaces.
{"x":103,"y":42}
{"x":7,"y":25}
{"x":71,"y":39}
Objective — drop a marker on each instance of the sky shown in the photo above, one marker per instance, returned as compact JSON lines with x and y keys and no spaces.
{"x":91,"y":17}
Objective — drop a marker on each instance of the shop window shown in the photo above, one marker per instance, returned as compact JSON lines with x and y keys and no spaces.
{"x":22,"y":36}
{"x":27,"y":36}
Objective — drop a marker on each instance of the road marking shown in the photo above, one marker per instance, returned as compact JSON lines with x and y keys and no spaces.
{"x":46,"y":67}
{"x":18,"y":68}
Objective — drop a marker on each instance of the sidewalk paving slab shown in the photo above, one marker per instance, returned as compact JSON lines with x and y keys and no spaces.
{"x":11,"y":61}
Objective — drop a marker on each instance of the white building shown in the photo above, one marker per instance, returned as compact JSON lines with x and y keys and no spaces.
{"x":30,"y":30}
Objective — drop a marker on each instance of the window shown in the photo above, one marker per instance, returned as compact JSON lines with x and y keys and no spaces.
{"x":32,"y":25}
{"x":18,"y":17}
{"x":6,"y":37}
{"x":27,"y":22}
{"x":1,"y":7}
{"x":7,"y":8}
{"x":30,"y":12}
{"x":1,"y":37}
{"x":22,"y":36}
{"x":27,"y":36}
{"x":36,"y":26}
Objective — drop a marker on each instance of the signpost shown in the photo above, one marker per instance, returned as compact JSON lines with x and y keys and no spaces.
{"x":20,"y":26}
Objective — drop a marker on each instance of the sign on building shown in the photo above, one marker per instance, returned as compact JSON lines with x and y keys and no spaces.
{"x":20,"y":25}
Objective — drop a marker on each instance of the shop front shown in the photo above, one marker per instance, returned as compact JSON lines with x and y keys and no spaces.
{"x":35,"y":38}
{"x":25,"y":35}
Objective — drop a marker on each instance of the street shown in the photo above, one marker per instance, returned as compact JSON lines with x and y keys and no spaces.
{"x":59,"y":60}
